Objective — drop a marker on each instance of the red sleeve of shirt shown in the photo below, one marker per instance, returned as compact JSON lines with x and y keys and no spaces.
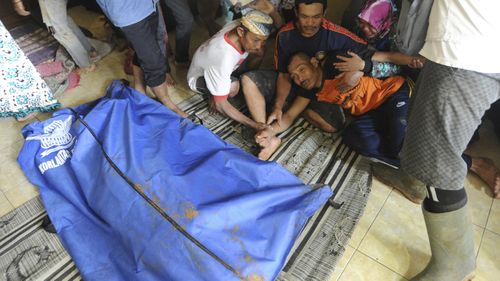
{"x":220,"y":97}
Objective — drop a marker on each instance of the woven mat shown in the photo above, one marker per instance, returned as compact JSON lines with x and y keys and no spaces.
{"x":37,"y":43}
{"x":27,"y":252}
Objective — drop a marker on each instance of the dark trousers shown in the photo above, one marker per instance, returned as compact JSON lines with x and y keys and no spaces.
{"x":380,"y":132}
{"x":143,"y":36}
{"x":183,"y":26}
{"x":494,"y":115}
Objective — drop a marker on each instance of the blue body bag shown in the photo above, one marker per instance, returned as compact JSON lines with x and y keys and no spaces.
{"x":136,"y":192}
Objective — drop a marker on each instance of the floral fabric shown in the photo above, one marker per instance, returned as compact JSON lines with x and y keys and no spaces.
{"x":22,"y":90}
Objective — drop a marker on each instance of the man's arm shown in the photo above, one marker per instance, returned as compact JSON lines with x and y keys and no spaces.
{"x":283,"y":86}
{"x":297,"y":107}
{"x":223,"y":106}
{"x":355,"y":62}
{"x":347,"y":40}
{"x":395,"y":57}
{"x":267,"y":7}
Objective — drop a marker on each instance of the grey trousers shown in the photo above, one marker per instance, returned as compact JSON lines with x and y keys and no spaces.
{"x":184,"y":24}
{"x":445,"y":110}
{"x":66,"y":32}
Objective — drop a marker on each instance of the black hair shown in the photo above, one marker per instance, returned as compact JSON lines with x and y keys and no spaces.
{"x":308,"y":2}
{"x":299,"y":54}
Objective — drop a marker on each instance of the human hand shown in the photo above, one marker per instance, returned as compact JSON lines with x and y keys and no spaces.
{"x":264,"y":6}
{"x":417,"y":62}
{"x":342,"y":86}
{"x":261,"y":126}
{"x":354,"y":63}
{"x":275,"y":116}
{"x":263,"y":137}
{"x":19,"y":8}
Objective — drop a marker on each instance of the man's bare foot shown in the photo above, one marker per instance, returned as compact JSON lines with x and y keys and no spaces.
{"x":88,"y":69}
{"x":266,"y":152}
{"x":488,"y":172}
{"x":183,"y":114}
{"x":170,"y":80}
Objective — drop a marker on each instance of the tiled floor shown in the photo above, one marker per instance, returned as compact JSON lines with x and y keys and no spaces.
{"x":390,"y":242}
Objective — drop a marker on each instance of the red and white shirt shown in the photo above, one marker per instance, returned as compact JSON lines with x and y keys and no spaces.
{"x":215,"y":60}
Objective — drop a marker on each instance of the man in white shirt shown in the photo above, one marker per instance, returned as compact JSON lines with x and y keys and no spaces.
{"x":210,"y":72}
{"x":458,"y":83}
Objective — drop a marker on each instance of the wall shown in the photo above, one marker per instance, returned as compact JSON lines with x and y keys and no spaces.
{"x":336,"y":9}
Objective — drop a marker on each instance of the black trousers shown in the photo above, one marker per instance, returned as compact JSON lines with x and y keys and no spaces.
{"x":143,"y":36}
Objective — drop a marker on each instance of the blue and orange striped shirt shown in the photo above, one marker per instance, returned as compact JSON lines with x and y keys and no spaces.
{"x":330,"y":37}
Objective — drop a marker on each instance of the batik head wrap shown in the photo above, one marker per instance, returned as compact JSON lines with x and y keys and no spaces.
{"x":257,"y":22}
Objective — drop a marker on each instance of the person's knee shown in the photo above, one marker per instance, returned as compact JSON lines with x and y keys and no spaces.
{"x":235,"y":88}
{"x":248,"y":85}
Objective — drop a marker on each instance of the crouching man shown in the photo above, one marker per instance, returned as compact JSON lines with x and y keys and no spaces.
{"x":213,"y":71}
{"x":378,"y":107}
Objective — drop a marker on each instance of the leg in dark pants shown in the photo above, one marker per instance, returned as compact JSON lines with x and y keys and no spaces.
{"x":445,"y":111}
{"x":494,"y":115}
{"x":184,"y":24}
{"x":380,"y":132}
{"x":143,"y":38}
{"x":208,"y":12}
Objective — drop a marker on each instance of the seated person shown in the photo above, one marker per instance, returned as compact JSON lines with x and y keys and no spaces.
{"x":379,"y":107}
{"x":211,"y":70}
{"x":376,"y":24}
{"x":268,"y":91}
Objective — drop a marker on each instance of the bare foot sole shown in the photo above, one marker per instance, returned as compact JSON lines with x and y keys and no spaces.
{"x":266,"y":152}
{"x":488,"y":172}
{"x":170,"y":80}
{"x":87,"y":69}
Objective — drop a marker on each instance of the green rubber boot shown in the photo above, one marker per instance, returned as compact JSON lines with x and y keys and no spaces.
{"x":452,"y":246}
{"x":411,"y":188}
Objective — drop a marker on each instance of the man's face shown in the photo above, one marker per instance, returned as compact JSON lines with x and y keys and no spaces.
{"x":309,"y":18}
{"x":303,"y":73}
{"x":252,"y":43}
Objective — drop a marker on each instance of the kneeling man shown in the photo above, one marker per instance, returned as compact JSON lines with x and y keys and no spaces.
{"x":212,"y":71}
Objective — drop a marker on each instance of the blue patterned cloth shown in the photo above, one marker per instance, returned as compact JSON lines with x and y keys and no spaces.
{"x":384,"y":69}
{"x":22,"y":90}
